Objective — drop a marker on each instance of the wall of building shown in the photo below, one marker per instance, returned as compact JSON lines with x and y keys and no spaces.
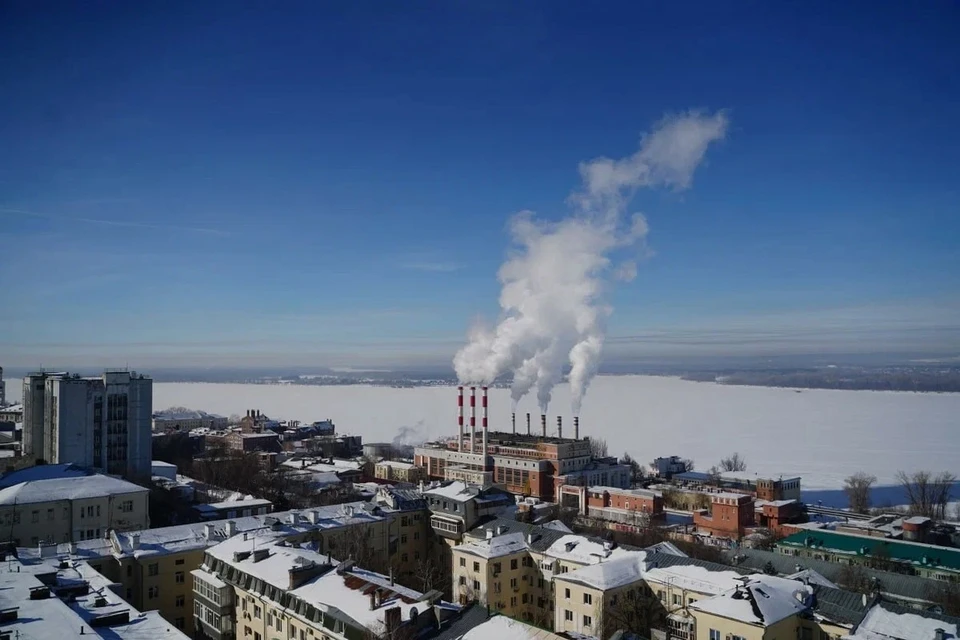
{"x":58,"y":521}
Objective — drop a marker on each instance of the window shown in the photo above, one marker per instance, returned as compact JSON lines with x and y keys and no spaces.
{"x":278,"y":623}
{"x":463,"y":580}
{"x":126,"y":506}
{"x":476,"y":566}
{"x":153,"y":592}
{"x":257,"y":611}
{"x":513,"y":563}
{"x":523,"y":599}
{"x":566,"y":593}
{"x":476,"y":585}
{"x":513,"y":583}
{"x":568,"y":615}
{"x":178,"y":577}
{"x":463,"y":562}
{"x":98,"y":510}
{"x":90,"y":511}
{"x":153,"y":569}
{"x":178,"y":562}
{"x":403,"y":539}
{"x":714,"y":634}
{"x":587,"y":598}
{"x":35,"y":516}
{"x":513,"y":601}
{"x":660,"y":595}
{"x":403,"y":557}
{"x":587,"y":621}
{"x":179,"y":623}
{"x":677,"y":598}
{"x":50,"y":515}
{"x":180,"y":600}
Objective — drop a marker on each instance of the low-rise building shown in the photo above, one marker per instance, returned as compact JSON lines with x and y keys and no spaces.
{"x":183,"y":419}
{"x":927,"y":560}
{"x":885,"y":621}
{"x":71,"y":507}
{"x":399,"y":471}
{"x":165,"y":470}
{"x":729,"y":517}
{"x":12,"y":413}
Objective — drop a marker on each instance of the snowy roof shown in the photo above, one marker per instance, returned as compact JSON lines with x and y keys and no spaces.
{"x":644,"y":493}
{"x":557,"y":525}
{"x":52,"y":617}
{"x":13,"y":408}
{"x":67,"y":489}
{"x":43,"y":472}
{"x":346,"y":592}
{"x":160,"y":464}
{"x":917,"y":520}
{"x":245,"y":503}
{"x":504,"y":628}
{"x":396,"y":465}
{"x":889,"y":622}
{"x":581,"y":550}
{"x":496,"y":546}
{"x":666,"y":547}
{"x":761,"y":600}
{"x":622,"y":570}
{"x":695,"y":578}
{"x":182,"y":413}
{"x":812,"y":577}
{"x":456,"y":490}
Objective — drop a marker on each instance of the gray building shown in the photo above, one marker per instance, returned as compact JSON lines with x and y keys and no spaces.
{"x":3,"y":390}
{"x":100,"y":422}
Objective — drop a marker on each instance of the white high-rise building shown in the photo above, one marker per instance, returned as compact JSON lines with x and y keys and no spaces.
{"x":99,"y":422}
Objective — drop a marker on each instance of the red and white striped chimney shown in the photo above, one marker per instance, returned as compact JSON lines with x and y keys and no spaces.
{"x":473,"y":419}
{"x":460,"y":418}
{"x":484,"y":425}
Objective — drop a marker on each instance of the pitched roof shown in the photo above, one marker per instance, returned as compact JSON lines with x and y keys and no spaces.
{"x":761,"y":600}
{"x":78,"y":488}
{"x":887,"y":621}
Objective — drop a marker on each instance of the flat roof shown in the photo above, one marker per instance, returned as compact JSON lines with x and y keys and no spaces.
{"x":233,"y":504}
{"x":917,"y":553}
{"x":40,"y":491}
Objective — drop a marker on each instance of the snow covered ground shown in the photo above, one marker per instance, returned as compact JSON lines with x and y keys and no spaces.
{"x":820,"y":435}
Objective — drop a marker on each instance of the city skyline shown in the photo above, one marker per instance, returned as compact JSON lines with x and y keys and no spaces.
{"x":216,"y":186}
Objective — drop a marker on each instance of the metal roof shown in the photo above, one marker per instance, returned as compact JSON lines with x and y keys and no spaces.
{"x":925,"y":555}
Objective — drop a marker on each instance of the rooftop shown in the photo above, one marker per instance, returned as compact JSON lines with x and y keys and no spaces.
{"x":926,"y":555}
{"x":78,"y":488}
{"x":760,"y":600}
{"x":396,"y":465}
{"x":504,"y":628}
{"x":43,"y":472}
{"x":457,"y":490}
{"x":246,"y":503}
{"x":624,"y":569}
{"x":497,"y":546}
{"x":646,"y":493}
{"x":182,"y":413}
{"x":890,"y":622}
{"x":582,"y":550}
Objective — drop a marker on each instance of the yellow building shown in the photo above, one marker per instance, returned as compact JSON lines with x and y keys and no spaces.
{"x":261,"y":586}
{"x":71,"y":509}
{"x":399,"y":472}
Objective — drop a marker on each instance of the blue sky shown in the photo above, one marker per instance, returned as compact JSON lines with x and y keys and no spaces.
{"x":330,"y":183}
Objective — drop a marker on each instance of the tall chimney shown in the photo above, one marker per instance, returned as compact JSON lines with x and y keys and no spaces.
{"x":513,"y":421}
{"x":528,"y":423}
{"x":460,"y":417}
{"x":473,"y":419}
{"x":559,"y":426}
{"x":576,"y":427}
{"x":543,"y":424}
{"x":484,"y":425}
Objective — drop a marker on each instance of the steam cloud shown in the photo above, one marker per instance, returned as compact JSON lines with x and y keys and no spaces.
{"x":556,"y":277}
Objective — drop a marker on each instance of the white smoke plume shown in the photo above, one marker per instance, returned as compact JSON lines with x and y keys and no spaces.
{"x":556,"y":277}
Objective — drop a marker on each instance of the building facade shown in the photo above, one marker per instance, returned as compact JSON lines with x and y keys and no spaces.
{"x":99,"y":422}
{"x":399,"y":472}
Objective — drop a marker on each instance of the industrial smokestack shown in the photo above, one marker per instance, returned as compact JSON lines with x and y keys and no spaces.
{"x":460,"y":418}
{"x":528,"y":423}
{"x":559,"y":426}
{"x":543,"y":424}
{"x":513,"y":421}
{"x":576,"y":427}
{"x":473,"y":419}
{"x":484,"y":425}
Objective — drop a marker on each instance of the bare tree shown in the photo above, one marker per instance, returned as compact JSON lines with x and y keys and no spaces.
{"x":427,"y":575}
{"x":929,"y":495}
{"x":688,"y":464}
{"x":636,"y":471}
{"x":946,"y":594}
{"x":733,"y":463}
{"x":631,"y":611}
{"x":857,"y":487}
{"x":853,"y":578}
{"x":598,"y":447}
{"x":713,"y":476}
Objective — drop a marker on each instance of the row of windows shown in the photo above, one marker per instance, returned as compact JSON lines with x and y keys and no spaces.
{"x":206,"y":590}
{"x":568,"y":616}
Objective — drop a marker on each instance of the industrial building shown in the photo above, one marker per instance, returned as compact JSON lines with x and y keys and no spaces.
{"x":528,"y":464}
{"x":99,"y":422}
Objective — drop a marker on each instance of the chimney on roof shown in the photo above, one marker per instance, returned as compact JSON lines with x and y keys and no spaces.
{"x":528,"y":423}
{"x":473,"y":419}
{"x":560,"y":426}
{"x":373,"y":600}
{"x":208,"y":531}
{"x":391,"y":577}
{"x":231,"y":528}
{"x":543,"y":424}
{"x":576,"y":427}
{"x":460,"y":417}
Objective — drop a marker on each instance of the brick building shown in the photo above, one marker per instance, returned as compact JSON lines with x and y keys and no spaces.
{"x":729,"y":516}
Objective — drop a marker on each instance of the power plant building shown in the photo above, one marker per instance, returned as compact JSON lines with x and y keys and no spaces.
{"x":98,"y":422}
{"x":527,"y":464}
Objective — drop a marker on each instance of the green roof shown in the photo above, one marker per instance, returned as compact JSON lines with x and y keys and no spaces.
{"x":922,"y":555}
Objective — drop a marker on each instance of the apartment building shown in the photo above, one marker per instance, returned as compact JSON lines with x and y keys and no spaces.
{"x":411,"y":541}
{"x":99,"y":422}
{"x":261,"y":586}
{"x":393,"y":471}
{"x":63,"y":598}
{"x":69,"y":508}
{"x":152,"y":567}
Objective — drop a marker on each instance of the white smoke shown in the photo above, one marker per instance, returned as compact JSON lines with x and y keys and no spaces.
{"x":556,"y":277}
